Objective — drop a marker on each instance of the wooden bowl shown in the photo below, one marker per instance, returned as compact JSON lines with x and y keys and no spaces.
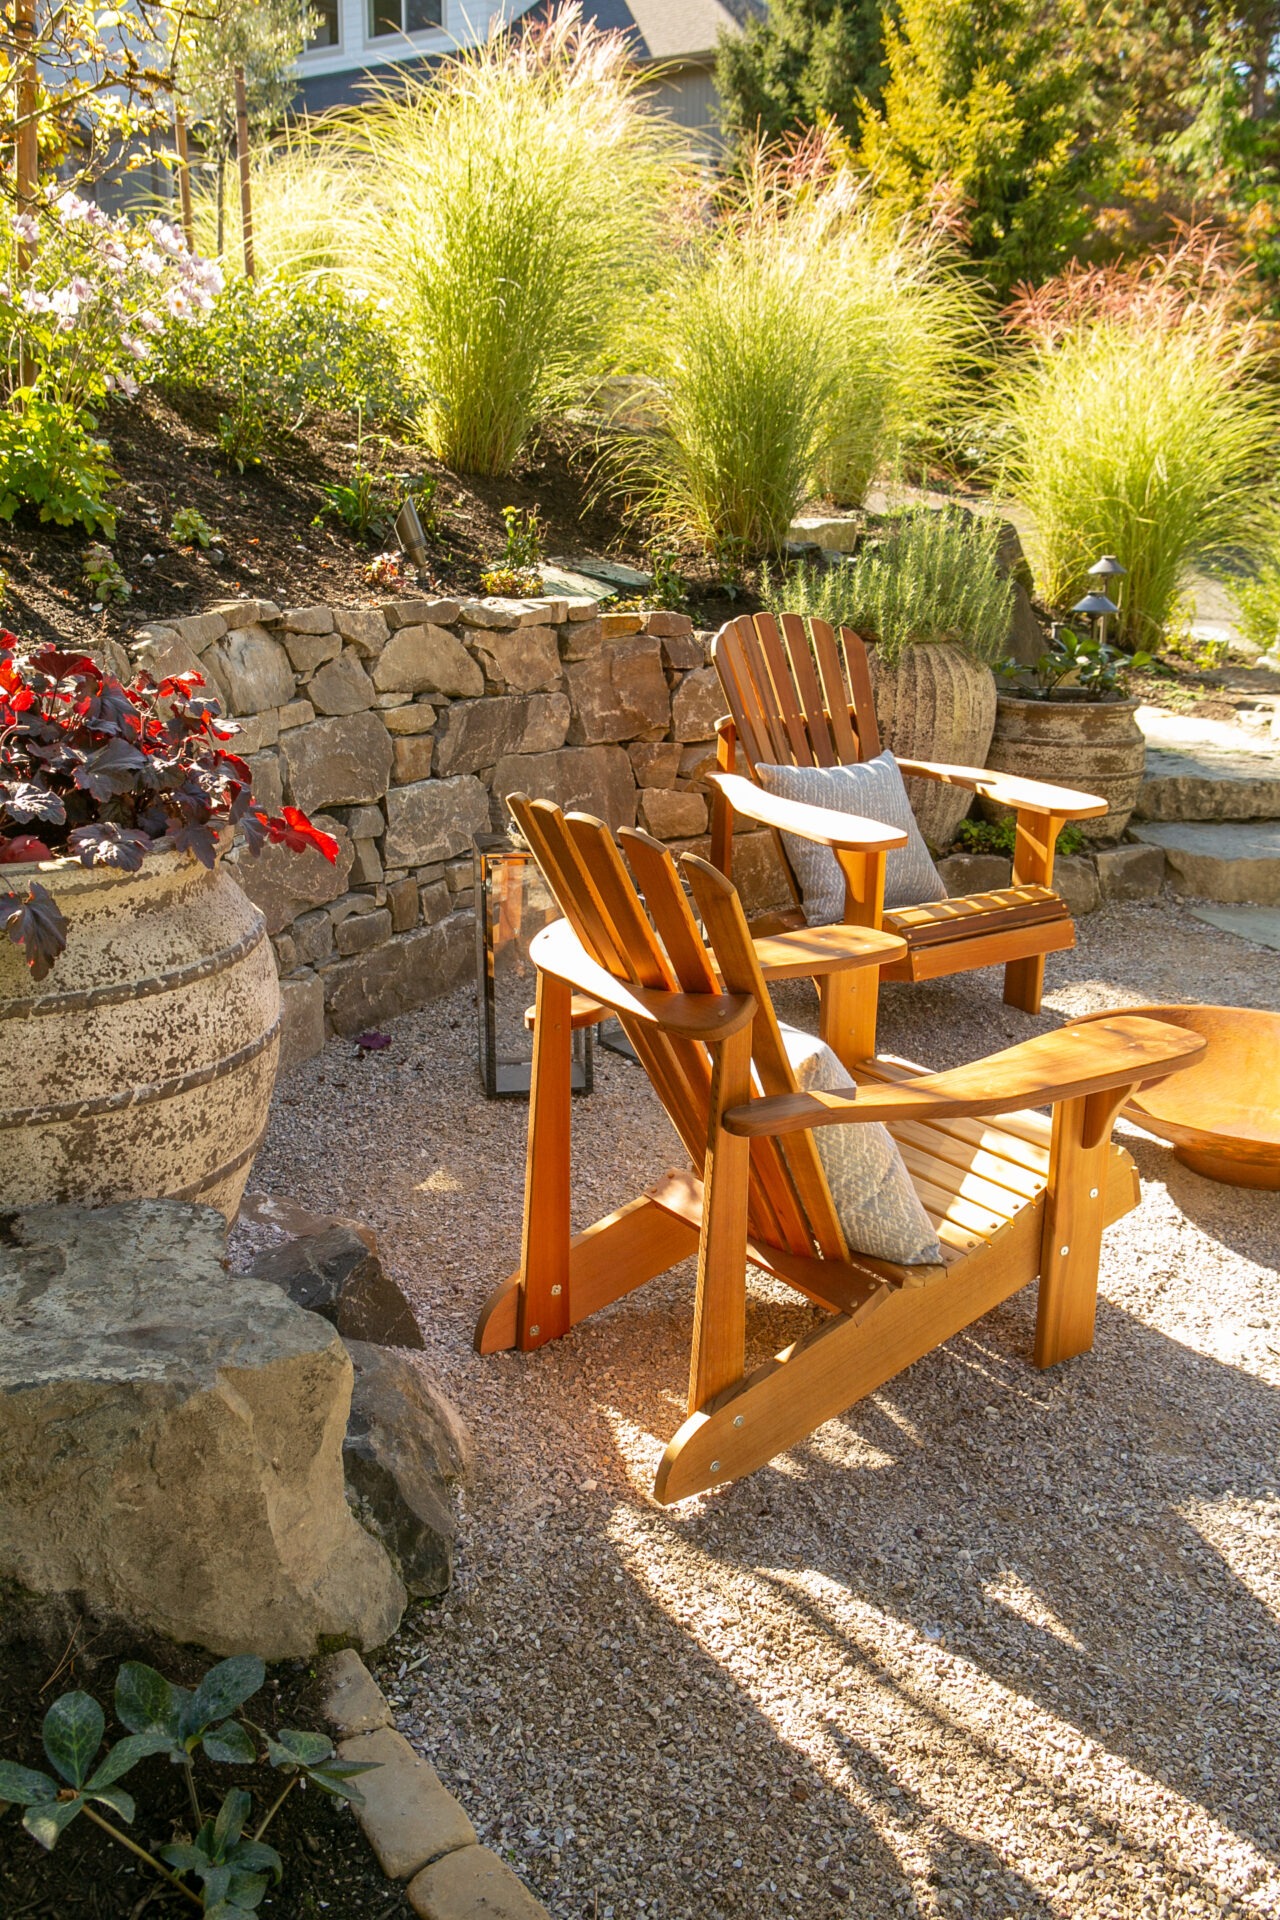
{"x":1223,"y":1114}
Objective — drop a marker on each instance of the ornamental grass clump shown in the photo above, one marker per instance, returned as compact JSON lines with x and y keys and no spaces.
{"x":934,"y":579}
{"x":511,"y":201}
{"x":106,"y":774}
{"x":797,"y":345}
{"x":1139,"y":425}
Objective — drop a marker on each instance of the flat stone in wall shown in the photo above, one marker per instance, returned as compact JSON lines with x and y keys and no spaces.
{"x":393,"y":979}
{"x":595,"y":780}
{"x":333,"y":762}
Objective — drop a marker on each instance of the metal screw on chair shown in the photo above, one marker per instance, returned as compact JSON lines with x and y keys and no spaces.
{"x":555,"y":1291}
{"x":738,"y":1419}
{"x":715,"y":1466}
{"x":535,"y":1331}
{"x":1093,"y":1193}
{"x":1064,"y":1251}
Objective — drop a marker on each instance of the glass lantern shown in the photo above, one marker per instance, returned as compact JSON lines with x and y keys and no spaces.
{"x":512,"y":904}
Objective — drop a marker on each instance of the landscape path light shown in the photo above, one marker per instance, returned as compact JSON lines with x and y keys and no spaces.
{"x":1097,"y":604}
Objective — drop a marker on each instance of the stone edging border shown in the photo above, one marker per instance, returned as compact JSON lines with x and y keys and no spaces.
{"x":418,"y":1831}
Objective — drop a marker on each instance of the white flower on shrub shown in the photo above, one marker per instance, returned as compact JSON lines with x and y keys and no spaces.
{"x":25,"y":229}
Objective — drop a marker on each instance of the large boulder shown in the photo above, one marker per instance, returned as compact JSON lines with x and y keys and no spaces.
{"x":427,"y":659}
{"x":171,"y":1438}
{"x":406,"y":1447}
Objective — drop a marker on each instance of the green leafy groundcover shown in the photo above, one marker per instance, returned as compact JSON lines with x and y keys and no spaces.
{"x":221,"y":1863}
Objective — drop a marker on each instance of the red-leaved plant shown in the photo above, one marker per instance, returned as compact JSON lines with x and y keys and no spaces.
{"x":108,"y":773}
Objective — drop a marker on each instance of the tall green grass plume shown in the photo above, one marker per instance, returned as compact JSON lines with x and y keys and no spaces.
{"x":797,"y":347}
{"x":933,"y":579}
{"x":1138,"y":425}
{"x":512,"y":202}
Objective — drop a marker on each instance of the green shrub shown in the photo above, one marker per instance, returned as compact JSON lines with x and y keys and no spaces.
{"x":1259,"y":603}
{"x":275,"y":352}
{"x":510,"y":201}
{"x":999,"y":836}
{"x":51,"y":459}
{"x":933,"y":578}
{"x":1138,"y":426}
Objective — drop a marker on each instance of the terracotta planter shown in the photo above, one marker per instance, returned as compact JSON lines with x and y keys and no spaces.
{"x":142,"y":1066}
{"x":1095,"y":746}
{"x":936,"y":704}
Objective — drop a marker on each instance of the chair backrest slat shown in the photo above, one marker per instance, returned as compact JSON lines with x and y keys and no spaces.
{"x":799,"y":691}
{"x":782,"y":681}
{"x":835,"y":686}
{"x":643,"y":931}
{"x":739,"y":967}
{"x":822,"y":747}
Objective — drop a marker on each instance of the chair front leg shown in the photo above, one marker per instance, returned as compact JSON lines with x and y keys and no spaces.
{"x":1035,"y":842}
{"x":1074,"y":1214}
{"x":544,"y":1258}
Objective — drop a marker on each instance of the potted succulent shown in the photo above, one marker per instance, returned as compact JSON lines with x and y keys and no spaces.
{"x":1068,"y":718}
{"x":138,"y":1042}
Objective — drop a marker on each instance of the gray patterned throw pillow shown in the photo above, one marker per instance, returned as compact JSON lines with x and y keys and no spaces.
{"x":874,"y":1199}
{"x":873,"y":789}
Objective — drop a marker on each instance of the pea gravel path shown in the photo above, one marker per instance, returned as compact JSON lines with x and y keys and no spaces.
{"x":995,"y":1643}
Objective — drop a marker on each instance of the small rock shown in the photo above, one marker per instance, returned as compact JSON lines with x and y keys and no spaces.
{"x":337,"y":1272}
{"x":353,"y":1700}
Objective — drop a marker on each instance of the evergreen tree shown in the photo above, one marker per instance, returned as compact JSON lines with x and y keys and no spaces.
{"x":988,"y":114}
{"x":804,"y":60}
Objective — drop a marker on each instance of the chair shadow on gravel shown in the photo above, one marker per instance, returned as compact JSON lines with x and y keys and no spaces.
{"x":1079,"y":1488}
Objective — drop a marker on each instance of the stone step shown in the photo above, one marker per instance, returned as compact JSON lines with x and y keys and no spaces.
{"x":1261,"y":925}
{"x":1224,"y":860}
{"x":1208,"y":769}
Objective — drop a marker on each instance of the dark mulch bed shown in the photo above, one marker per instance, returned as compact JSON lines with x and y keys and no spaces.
{"x":330,"y":1869}
{"x":273,"y":546}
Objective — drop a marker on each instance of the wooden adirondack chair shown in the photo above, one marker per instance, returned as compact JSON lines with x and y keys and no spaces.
{"x":803,"y":698}
{"x":1010,"y":1202}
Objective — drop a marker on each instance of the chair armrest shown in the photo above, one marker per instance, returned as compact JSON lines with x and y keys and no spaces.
{"x":813,"y":952}
{"x":1010,"y":790}
{"x":1080,"y":1059}
{"x":686,"y":1016}
{"x":822,"y":825}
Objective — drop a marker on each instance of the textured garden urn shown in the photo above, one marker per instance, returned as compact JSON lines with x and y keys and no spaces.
{"x":1094,"y":745}
{"x":142,"y":1066}
{"x":937,"y":703}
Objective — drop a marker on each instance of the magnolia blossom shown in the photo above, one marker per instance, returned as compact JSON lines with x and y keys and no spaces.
{"x":82,"y":289}
{"x":25,"y":229}
{"x":114,"y":255}
{"x":178,"y":303}
{"x":150,"y":261}
{"x":148,"y":322}
{"x":71,"y":208}
{"x":138,"y":348}
{"x":34,"y":301}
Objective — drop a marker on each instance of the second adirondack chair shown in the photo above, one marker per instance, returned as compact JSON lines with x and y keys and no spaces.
{"x":799,"y":694}
{"x":1010,"y":1201}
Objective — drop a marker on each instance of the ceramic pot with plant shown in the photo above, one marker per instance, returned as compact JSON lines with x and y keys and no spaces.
{"x":1069,"y":719}
{"x":930,"y":593}
{"x":139,"y":1005}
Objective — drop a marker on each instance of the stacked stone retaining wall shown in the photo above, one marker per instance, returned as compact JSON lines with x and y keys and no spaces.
{"x":401,"y":727}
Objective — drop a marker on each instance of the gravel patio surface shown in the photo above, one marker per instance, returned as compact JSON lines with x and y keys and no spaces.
{"x":993,"y":1643}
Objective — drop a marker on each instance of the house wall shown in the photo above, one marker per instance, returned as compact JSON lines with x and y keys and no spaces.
{"x":400,"y":728}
